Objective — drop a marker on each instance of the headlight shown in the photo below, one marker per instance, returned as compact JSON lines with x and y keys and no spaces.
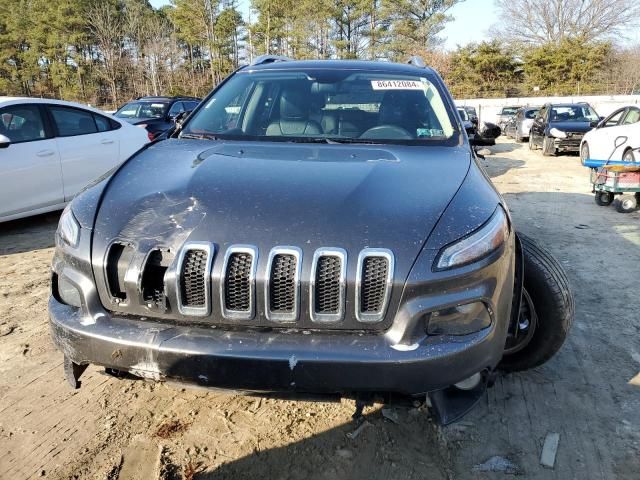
{"x":68,"y":228}
{"x":557,"y":133}
{"x":479,"y":244}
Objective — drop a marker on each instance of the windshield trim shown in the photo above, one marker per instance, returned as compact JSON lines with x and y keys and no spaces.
{"x":453,"y":141}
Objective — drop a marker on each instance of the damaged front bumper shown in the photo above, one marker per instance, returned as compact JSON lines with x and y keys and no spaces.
{"x":267,"y":361}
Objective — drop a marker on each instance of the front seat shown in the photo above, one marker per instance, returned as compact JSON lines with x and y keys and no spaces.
{"x":294,"y":118}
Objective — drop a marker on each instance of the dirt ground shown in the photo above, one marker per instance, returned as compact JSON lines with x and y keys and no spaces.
{"x":121,"y":429}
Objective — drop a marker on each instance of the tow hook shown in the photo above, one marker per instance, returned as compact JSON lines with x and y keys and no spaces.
{"x":73,"y":371}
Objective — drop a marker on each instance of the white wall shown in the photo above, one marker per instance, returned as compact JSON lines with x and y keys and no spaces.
{"x":488,"y":108}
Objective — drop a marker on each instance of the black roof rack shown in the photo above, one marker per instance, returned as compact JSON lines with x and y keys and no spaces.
{"x":163,"y":97}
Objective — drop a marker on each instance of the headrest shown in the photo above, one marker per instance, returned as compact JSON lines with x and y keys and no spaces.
{"x":295,"y":102}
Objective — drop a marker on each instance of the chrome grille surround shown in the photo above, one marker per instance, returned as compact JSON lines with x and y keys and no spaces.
{"x":373,"y":317}
{"x":210,"y":251}
{"x":250,"y":312}
{"x":276,"y":316}
{"x":341,"y":254}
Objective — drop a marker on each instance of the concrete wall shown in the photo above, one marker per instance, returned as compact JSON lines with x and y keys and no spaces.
{"x":488,"y":108}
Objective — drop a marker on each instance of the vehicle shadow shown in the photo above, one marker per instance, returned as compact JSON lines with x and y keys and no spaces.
{"x":28,"y":234}
{"x":497,"y":166}
{"x":334,"y":454}
{"x":507,"y":145}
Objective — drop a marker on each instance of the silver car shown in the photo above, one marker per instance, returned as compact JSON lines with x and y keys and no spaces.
{"x":519,"y":126}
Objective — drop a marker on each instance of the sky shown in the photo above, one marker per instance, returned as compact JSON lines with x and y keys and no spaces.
{"x":472,"y":19}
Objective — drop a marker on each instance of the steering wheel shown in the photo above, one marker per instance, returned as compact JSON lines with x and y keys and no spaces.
{"x":387,"y":132}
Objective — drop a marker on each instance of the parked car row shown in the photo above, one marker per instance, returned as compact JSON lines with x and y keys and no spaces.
{"x":577,"y":128}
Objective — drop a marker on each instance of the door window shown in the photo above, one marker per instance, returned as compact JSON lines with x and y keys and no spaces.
{"x":176,"y":109}
{"x":105,"y":124}
{"x":22,"y":123}
{"x":613,"y":119}
{"x":73,"y":121}
{"x":633,"y":116}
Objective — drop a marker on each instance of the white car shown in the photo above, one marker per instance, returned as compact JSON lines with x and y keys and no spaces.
{"x":616,"y":137}
{"x":50,"y":149}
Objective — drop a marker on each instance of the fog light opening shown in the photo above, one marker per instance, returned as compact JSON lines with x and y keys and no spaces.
{"x":68,"y":292}
{"x":469,"y":383}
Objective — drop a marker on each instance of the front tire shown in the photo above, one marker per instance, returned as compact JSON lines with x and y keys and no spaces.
{"x":604,"y":199}
{"x":548,"y":148}
{"x":584,"y":152}
{"x":628,"y":156}
{"x":548,"y":307}
{"x":532,"y":145}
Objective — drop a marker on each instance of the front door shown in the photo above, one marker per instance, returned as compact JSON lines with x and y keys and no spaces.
{"x":30,"y":175}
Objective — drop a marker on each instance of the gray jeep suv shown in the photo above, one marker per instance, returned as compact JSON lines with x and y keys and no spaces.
{"x":314,"y":227}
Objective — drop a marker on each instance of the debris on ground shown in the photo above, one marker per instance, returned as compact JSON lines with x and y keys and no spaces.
{"x":549,"y":450}
{"x":171,"y":428}
{"x":498,"y":464}
{"x":391,"y":415}
{"x":353,"y":435}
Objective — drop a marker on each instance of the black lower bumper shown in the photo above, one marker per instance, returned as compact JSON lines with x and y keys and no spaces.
{"x":567,"y":145}
{"x":276,"y":360}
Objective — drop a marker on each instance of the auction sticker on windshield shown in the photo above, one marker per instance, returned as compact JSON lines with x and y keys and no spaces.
{"x":396,"y":85}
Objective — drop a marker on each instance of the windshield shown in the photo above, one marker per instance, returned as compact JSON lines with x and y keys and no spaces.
{"x":531,"y":113}
{"x":321,"y":105}
{"x":143,"y":110}
{"x":509,"y":110}
{"x":573,"y":113}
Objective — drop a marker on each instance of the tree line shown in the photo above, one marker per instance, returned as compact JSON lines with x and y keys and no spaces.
{"x":105,"y":52}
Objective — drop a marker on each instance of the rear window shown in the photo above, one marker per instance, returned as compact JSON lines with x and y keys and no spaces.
{"x":326,"y":104}
{"x":71,"y":121}
{"x":143,"y":110}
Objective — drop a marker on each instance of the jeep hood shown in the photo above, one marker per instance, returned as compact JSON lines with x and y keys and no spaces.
{"x":269,"y":193}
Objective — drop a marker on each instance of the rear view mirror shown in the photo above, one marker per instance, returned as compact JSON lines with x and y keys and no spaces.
{"x":4,"y":141}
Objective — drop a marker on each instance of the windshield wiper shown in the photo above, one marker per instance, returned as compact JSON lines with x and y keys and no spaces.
{"x":331,"y":141}
{"x":198,"y":136}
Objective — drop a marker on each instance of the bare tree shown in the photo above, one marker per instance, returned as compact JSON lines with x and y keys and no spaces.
{"x":537,"y":22}
{"x":105,"y":26}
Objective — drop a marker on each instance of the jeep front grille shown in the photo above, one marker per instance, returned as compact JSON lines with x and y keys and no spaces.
{"x":230,"y":295}
{"x":194,"y":270}
{"x":237,"y":288}
{"x":373,"y":284}
{"x":282,"y":286}
{"x":327,"y":288}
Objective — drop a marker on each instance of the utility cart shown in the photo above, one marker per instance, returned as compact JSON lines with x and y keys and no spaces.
{"x":611,"y":179}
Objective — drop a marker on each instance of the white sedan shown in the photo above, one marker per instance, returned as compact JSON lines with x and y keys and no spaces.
{"x":50,"y":149}
{"x":616,"y":137}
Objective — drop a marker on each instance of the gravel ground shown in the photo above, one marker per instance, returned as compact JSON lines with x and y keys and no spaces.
{"x":589,"y":393}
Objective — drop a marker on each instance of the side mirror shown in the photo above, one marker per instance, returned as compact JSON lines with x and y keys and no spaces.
{"x":180,"y":118}
{"x":4,"y":141}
